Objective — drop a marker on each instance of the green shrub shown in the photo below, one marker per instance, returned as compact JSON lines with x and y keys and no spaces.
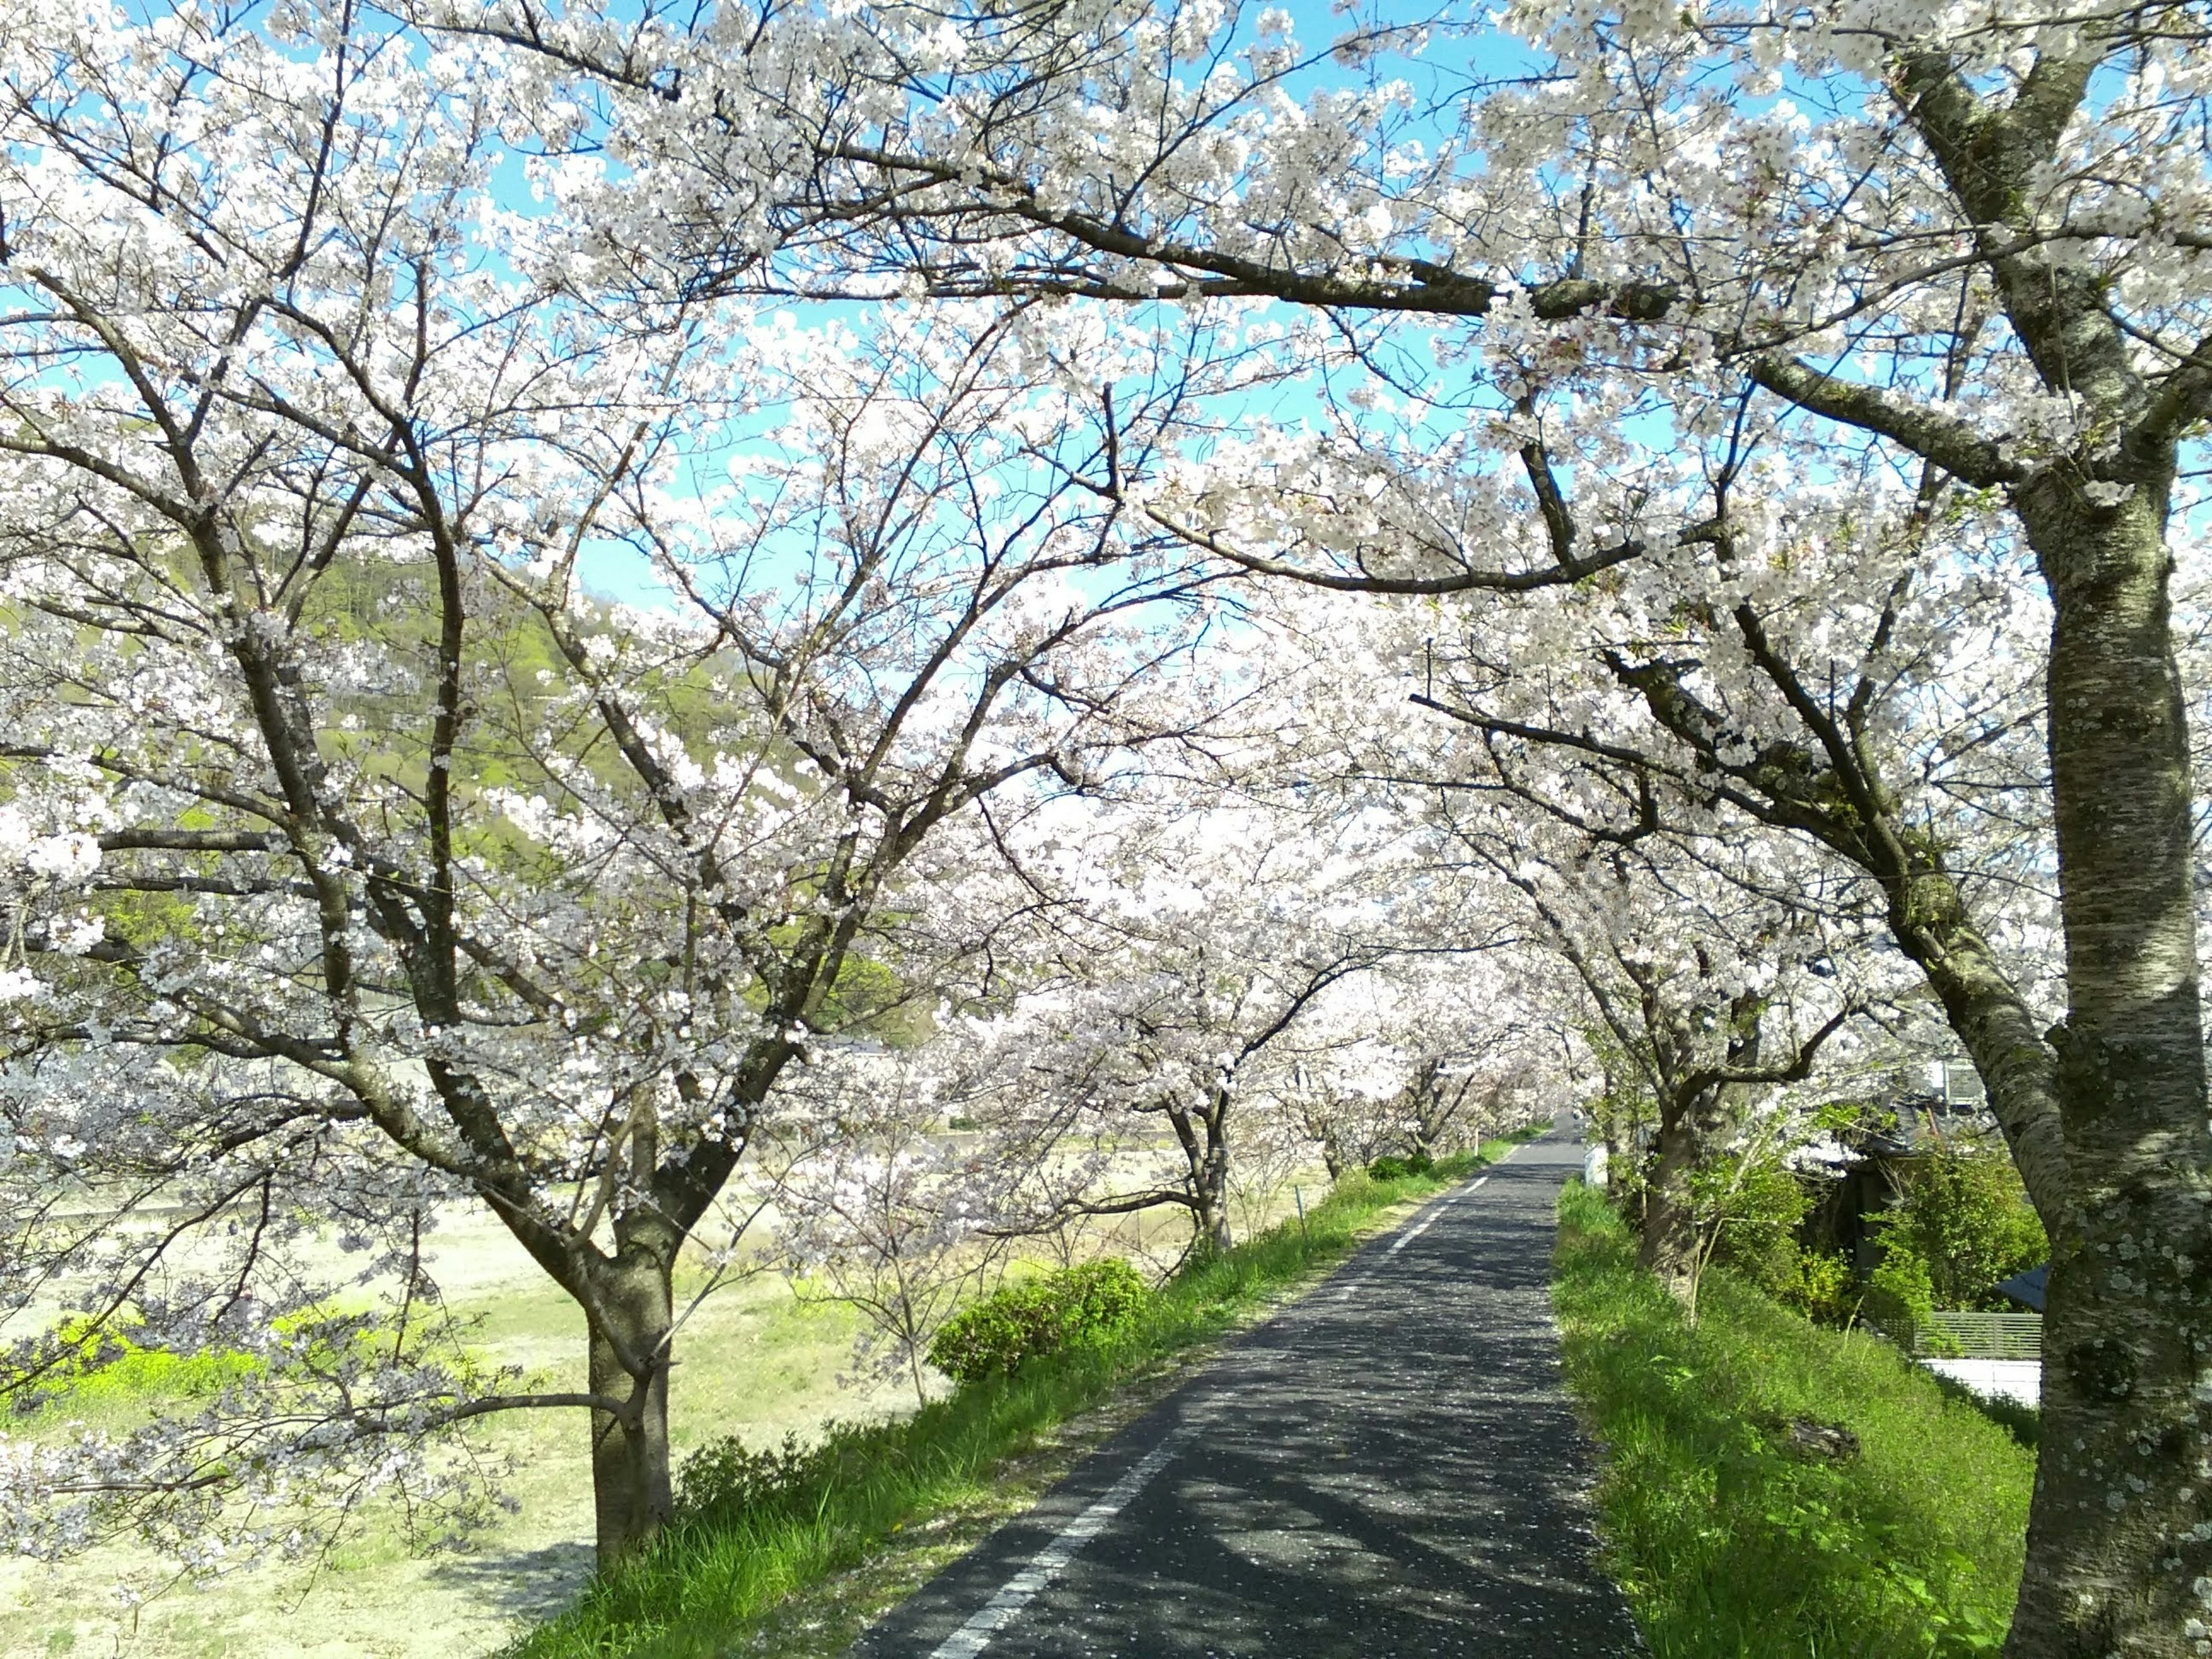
{"x":1900,"y":1291}
{"x":1755,"y":1211}
{"x":1965,"y":1219}
{"x":722,"y":1482}
{"x":1821,"y":1287}
{"x":1091,"y":1303}
{"x":1397,"y":1168}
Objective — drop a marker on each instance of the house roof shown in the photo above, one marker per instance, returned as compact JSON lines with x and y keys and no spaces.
{"x":1923,"y":1125}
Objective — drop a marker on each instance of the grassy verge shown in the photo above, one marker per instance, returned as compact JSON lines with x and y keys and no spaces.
{"x":802,"y":1571}
{"x":1729,"y":1545}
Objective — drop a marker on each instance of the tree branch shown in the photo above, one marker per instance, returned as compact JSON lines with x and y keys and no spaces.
{"x":1951,"y":445}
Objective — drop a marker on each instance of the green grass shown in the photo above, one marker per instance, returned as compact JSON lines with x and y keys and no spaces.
{"x":135,"y":1374}
{"x":1730,"y":1546}
{"x":887,"y":1503}
{"x":116,"y":1375}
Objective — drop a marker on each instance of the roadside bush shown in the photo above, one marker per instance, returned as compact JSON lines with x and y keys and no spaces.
{"x":1397,"y":1168}
{"x":723,"y":1479}
{"x":724,"y":1483}
{"x":1091,"y":1303}
{"x":1754,"y":1211}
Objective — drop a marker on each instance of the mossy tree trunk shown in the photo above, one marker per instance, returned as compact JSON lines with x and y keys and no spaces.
{"x":1695,"y":1113}
{"x":1666,"y":1239}
{"x":2121,"y":1526}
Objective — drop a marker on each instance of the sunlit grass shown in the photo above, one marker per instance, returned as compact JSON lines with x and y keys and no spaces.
{"x":1729,"y":1546}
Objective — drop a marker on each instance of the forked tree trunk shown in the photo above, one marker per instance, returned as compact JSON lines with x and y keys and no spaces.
{"x":2119,"y":1559}
{"x":1204,"y":1137}
{"x":632,"y":1491}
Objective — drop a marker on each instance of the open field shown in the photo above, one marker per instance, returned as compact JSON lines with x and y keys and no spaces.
{"x":754,"y":1362}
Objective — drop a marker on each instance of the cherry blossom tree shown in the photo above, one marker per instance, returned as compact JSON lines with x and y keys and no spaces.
{"x":1449,"y":1041}
{"x":1200,"y":975}
{"x":887,"y":1215}
{"x":1711,"y":999}
{"x":355,"y":861}
{"x":1963,"y":255}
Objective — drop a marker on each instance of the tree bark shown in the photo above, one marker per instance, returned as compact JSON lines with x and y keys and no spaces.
{"x":1210,"y":1188}
{"x":1668,"y":1245}
{"x":1993,"y":1024}
{"x":1693,"y":1118}
{"x":1204,"y":1136}
{"x":632,"y":1491}
{"x":2120,"y":1530}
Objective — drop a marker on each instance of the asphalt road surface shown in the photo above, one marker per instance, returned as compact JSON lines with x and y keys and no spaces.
{"x":1387,"y":1470}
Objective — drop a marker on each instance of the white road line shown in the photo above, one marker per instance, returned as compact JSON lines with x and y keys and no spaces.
{"x":1408,"y":1237}
{"x":972,"y":1638}
{"x":1413,"y":1233}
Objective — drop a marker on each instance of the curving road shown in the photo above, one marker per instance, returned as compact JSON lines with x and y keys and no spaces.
{"x":1387,"y":1470}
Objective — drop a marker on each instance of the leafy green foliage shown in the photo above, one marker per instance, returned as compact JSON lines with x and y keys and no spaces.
{"x":1822,"y":1288}
{"x":1963,"y":1224}
{"x":1900,"y":1291}
{"x":1625,"y":1113}
{"x":1729,"y":1546}
{"x":1089,"y":1302}
{"x":1397,"y":1168}
{"x":1751,"y":1211}
{"x":723,"y":1481}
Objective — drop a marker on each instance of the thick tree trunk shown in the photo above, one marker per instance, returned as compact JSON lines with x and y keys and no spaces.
{"x":1692,"y":1121}
{"x":1212,"y":1226}
{"x":1204,"y":1137}
{"x":2119,"y":1556}
{"x":1211,"y":1182}
{"x":1668,"y":1245}
{"x":632,"y":1494}
{"x":1210,"y":1186}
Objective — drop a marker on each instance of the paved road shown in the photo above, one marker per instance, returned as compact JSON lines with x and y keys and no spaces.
{"x":1387,"y":1470}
